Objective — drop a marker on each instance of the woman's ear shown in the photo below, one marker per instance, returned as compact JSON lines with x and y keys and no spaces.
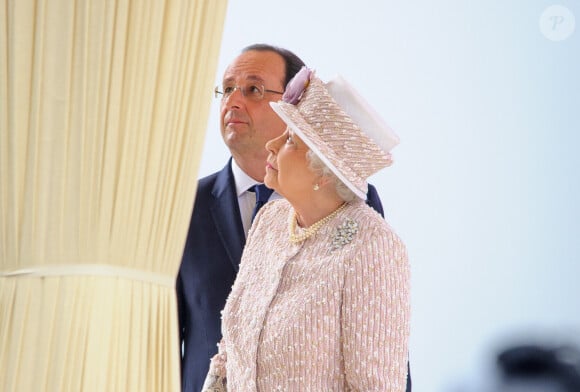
{"x":323,"y":181}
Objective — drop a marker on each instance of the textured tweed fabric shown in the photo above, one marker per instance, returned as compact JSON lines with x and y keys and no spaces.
{"x":328,"y":314}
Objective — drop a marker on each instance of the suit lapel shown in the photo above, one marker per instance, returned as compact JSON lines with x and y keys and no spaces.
{"x":226,"y":215}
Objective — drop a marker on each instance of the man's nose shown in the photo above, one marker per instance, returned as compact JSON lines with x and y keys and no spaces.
{"x":234,"y":99}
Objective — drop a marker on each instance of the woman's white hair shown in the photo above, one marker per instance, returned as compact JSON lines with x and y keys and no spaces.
{"x":318,"y":167}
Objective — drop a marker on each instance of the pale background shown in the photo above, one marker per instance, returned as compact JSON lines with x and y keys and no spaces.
{"x":485,"y":185}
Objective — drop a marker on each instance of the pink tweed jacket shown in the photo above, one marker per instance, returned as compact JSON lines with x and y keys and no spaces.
{"x":327,"y":314}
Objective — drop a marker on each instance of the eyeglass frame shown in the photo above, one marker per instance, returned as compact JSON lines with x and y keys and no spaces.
{"x":242,"y":89}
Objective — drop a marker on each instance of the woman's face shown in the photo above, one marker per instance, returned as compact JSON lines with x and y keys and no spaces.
{"x":287,"y":170}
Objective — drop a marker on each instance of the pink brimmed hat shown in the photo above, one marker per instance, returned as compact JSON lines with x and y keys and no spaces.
{"x":339,"y":126}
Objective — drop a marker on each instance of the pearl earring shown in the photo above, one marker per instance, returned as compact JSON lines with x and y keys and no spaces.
{"x":316,"y":187}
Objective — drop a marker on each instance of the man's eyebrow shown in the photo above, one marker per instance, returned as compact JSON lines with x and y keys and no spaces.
{"x":253,"y":78}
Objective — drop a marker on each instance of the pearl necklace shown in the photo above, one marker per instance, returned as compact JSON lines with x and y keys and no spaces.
{"x":312,"y":229}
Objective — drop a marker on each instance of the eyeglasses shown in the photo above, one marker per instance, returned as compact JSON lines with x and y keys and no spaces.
{"x":252,"y":91}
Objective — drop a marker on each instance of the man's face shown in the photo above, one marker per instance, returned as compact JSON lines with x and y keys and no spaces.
{"x":246,"y":124}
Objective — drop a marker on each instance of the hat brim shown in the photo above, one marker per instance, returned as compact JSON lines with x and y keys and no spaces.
{"x":292,"y":117}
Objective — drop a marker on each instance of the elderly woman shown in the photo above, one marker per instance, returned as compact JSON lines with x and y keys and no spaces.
{"x":321,"y":301}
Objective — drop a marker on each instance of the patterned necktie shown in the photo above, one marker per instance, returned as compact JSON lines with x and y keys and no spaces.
{"x":262,"y":195}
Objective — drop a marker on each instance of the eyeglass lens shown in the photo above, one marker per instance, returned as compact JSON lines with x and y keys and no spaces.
{"x":251,"y":91}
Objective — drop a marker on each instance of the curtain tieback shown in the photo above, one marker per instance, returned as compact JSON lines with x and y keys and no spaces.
{"x":91,"y":270}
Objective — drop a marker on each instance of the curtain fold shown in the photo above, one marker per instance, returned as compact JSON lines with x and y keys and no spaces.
{"x":103,"y":111}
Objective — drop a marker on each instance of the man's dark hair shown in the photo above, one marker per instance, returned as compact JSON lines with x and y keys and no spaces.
{"x":292,"y":62}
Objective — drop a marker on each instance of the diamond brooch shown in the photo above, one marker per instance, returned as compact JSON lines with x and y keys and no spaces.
{"x":344,"y":234}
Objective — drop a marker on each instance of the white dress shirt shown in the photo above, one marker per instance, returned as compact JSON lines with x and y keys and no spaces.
{"x":246,"y":199}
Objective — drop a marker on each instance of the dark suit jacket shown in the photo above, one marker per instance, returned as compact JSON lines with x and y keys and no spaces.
{"x":210,"y":263}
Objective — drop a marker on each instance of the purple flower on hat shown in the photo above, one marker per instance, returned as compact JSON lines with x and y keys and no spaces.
{"x":297,"y":85}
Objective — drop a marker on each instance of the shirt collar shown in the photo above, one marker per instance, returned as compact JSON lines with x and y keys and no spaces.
{"x":242,"y":180}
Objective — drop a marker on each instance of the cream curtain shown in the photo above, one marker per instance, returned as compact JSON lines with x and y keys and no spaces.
{"x":103,"y":109}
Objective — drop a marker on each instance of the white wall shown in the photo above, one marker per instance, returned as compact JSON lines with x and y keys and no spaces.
{"x":486,"y":181}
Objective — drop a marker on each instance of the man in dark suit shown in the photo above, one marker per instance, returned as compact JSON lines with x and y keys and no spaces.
{"x":223,"y":205}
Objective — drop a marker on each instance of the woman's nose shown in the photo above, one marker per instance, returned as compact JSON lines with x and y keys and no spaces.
{"x":270,"y":145}
{"x":274,"y":144}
